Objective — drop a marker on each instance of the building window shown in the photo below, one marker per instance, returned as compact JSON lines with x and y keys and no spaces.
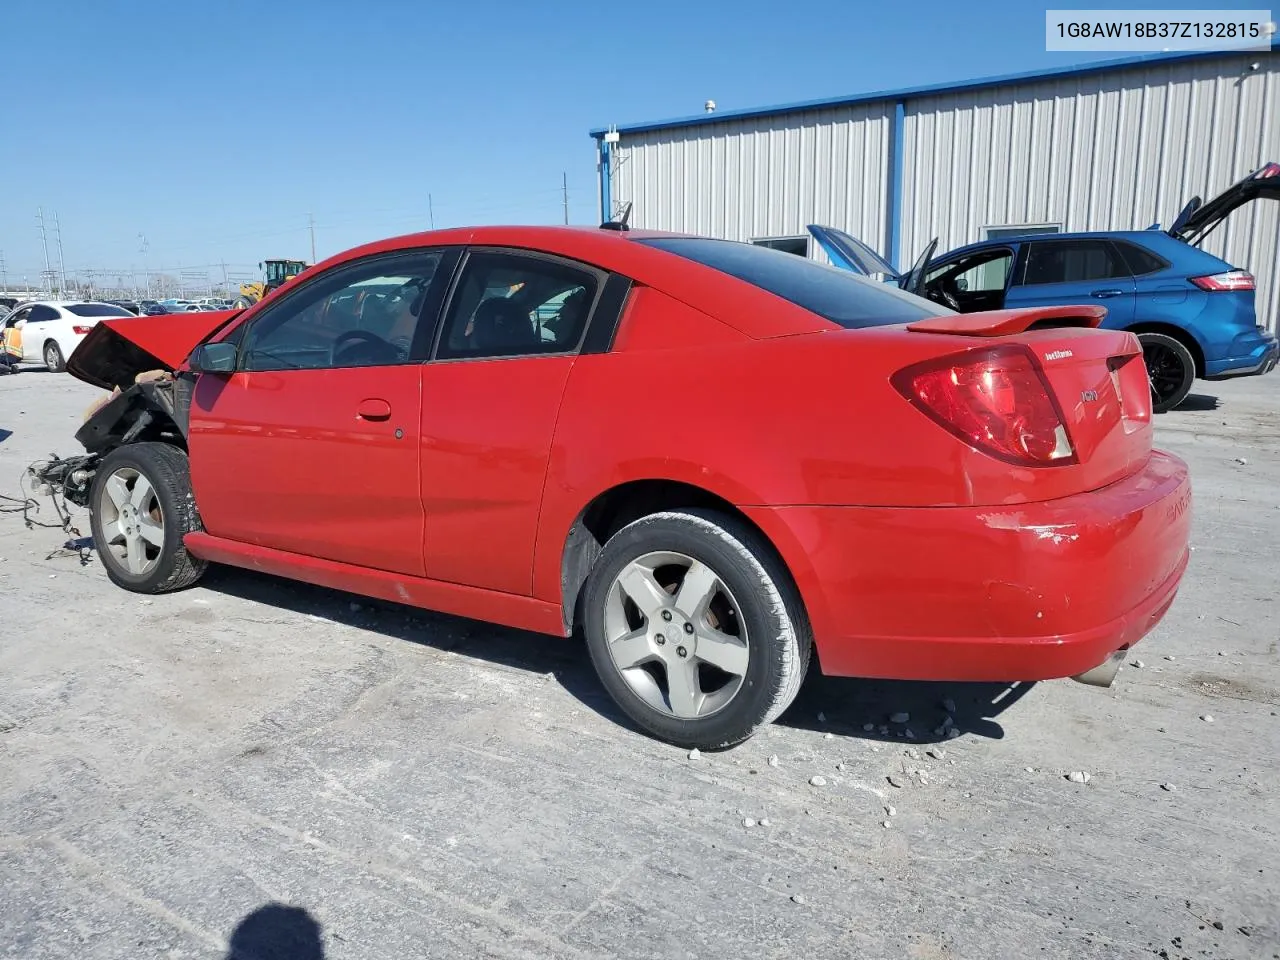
{"x":1019,"y":230}
{"x":797,"y":245}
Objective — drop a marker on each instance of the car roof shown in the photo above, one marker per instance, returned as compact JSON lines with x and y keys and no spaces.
{"x":682,"y":278}
{"x":1138,"y":235}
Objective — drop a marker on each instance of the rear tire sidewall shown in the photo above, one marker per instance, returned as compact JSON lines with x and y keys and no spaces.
{"x":144,"y":458}
{"x":1184,"y":356}
{"x":53,"y":358}
{"x":777,"y":636}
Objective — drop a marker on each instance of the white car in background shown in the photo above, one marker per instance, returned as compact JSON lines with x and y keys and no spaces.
{"x":49,"y":330}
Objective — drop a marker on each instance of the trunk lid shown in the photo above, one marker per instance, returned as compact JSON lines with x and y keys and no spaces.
{"x":115,"y":351}
{"x":1197,"y":220}
{"x":1096,"y":379}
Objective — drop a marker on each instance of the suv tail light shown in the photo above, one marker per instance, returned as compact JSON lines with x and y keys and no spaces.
{"x":80,"y":330}
{"x":996,"y":400}
{"x":1231,"y":280}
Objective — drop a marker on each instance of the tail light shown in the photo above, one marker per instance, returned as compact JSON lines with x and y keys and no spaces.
{"x":80,"y":330}
{"x":995,"y":400}
{"x":1231,"y":280}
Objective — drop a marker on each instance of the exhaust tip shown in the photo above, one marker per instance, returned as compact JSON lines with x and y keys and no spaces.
{"x":1104,"y":673}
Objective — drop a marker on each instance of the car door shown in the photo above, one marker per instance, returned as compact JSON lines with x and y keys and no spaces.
{"x":14,"y":325}
{"x":512,"y":330}
{"x":42,"y":324}
{"x":971,"y":280}
{"x":311,"y":445}
{"x":1078,"y":270}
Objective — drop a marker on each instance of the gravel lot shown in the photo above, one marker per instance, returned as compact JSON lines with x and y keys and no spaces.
{"x":421,"y":786}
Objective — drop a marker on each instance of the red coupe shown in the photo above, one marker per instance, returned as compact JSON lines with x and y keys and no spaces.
{"x":709,"y":456}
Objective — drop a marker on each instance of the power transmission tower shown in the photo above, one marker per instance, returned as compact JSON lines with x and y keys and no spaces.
{"x":44,"y":243}
{"x":564,"y":185}
{"x":4,"y":273}
{"x":62,"y":265}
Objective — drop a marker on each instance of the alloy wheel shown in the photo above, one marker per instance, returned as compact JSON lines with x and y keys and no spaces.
{"x":132,"y":521}
{"x":676,"y":635}
{"x":1165,"y":372}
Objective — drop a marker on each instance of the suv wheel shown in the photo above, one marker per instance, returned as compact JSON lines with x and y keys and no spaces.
{"x":695,"y":628}
{"x":142,"y":506}
{"x":1170,"y":369}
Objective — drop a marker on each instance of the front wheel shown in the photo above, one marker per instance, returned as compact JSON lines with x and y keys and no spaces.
{"x":695,"y":628}
{"x":142,"y":507}
{"x":1170,"y":369}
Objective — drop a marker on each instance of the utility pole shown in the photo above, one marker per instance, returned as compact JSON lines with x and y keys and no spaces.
{"x":146,"y":267}
{"x":62,"y":265}
{"x":564,"y":185}
{"x":431,"y":212}
{"x":44,"y":243}
{"x":4,"y":274}
{"x":312,"y":221}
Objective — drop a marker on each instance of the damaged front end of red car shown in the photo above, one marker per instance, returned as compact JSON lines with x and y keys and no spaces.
{"x":134,"y":358}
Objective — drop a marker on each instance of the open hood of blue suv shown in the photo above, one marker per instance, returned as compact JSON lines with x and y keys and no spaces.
{"x":851,"y":253}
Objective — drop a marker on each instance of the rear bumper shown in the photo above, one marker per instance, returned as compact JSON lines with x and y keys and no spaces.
{"x":1261,"y":358}
{"x":1028,"y":592}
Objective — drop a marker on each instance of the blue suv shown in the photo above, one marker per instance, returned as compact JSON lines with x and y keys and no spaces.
{"x":1193,"y":312}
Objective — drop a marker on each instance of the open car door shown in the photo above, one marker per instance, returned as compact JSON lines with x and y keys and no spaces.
{"x":852,"y":254}
{"x":1197,"y":220}
{"x":913,"y":282}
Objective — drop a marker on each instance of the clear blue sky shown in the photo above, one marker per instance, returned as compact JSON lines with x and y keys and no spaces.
{"x":215,"y":127}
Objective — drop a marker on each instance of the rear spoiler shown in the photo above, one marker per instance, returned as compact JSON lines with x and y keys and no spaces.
{"x":1003,"y":323}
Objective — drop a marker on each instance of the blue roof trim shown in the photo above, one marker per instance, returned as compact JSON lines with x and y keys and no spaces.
{"x":908,"y":93}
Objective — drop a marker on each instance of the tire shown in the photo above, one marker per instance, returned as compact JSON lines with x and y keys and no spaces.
{"x":53,"y":358}
{"x":168,"y":514}
{"x":753,"y":599}
{"x":242,"y":303}
{"x":1171,"y":369}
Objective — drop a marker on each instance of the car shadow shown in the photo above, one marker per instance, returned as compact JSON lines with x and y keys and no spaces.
{"x":838,"y":705}
{"x":276,"y":932}
{"x":1198,"y":401}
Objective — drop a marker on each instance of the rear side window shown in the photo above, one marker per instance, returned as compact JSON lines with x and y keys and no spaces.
{"x":97,"y":310}
{"x":842,"y":297}
{"x":1073,"y":261}
{"x":1140,"y":261}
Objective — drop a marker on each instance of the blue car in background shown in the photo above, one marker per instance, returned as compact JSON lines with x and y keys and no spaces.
{"x":1193,"y":312}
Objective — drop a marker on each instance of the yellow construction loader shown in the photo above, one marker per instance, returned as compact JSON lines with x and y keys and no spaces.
{"x":276,"y":273}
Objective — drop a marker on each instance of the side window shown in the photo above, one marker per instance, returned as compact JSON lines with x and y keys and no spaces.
{"x":1141,"y":262}
{"x":40,"y":314}
{"x":1073,"y":261}
{"x":16,"y":316}
{"x":984,"y":272}
{"x":366,"y":314}
{"x":509,"y":305}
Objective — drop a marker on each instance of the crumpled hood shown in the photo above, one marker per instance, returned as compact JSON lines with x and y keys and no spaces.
{"x":115,"y":351}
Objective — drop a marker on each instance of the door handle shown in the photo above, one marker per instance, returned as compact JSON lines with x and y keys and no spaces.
{"x":374,"y":409}
{"x":1108,"y":293}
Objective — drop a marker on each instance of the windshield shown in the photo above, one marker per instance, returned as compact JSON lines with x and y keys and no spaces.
{"x":844,"y":298}
{"x":96,"y":310}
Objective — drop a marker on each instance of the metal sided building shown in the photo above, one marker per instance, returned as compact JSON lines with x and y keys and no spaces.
{"x":1114,"y":145}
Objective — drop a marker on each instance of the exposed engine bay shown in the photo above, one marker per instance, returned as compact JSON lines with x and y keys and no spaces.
{"x":147,"y":399}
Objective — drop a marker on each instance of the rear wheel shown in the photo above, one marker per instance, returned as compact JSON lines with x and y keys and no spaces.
{"x":242,"y":303}
{"x":1170,"y":369}
{"x":695,"y":628}
{"x":142,"y":506}
{"x":53,"y":357}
